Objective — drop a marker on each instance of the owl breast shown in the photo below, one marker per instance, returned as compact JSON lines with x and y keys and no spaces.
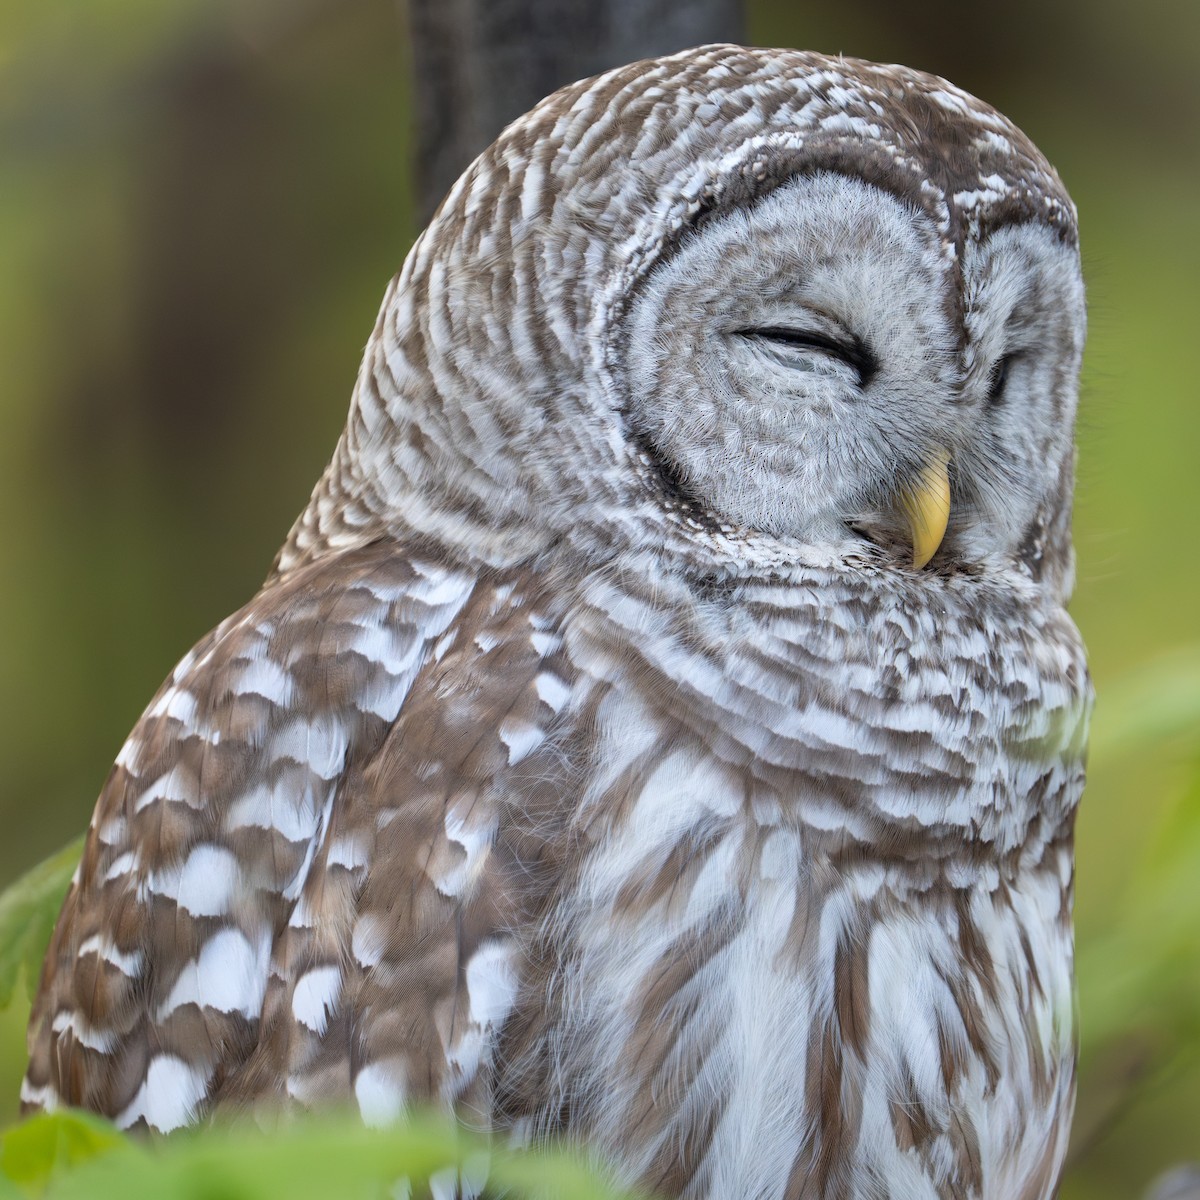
{"x":818,"y":941}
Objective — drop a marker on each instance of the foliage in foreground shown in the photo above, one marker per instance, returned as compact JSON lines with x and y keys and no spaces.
{"x":28,"y":910}
{"x":75,"y":1156}
{"x":1142,"y":975}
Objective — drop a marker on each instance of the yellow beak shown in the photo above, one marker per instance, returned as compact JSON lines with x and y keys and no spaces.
{"x":926,"y":504}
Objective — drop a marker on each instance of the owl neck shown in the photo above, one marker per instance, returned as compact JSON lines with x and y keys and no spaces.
{"x":928,"y":726}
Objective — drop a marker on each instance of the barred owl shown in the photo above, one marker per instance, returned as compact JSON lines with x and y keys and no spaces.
{"x":663,"y":727}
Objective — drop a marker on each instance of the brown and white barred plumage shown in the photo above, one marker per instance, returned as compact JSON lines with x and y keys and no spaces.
{"x":532,"y":785}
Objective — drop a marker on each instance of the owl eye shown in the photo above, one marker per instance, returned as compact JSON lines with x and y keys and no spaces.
{"x":851,"y":351}
{"x":999,"y":379}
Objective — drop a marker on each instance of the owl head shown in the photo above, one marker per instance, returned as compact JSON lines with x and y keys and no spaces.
{"x":738,"y":310}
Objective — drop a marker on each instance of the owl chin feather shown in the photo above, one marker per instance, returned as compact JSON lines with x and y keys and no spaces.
{"x":662,"y":728}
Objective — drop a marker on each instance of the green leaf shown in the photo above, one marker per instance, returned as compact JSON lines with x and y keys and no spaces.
{"x":314,"y":1159}
{"x":28,"y":909}
{"x":551,"y":1174}
{"x":1143,"y":972}
{"x":1138,"y":977}
{"x":51,"y":1145}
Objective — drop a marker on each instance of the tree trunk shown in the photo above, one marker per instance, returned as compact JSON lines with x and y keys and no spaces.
{"x":478,"y":64}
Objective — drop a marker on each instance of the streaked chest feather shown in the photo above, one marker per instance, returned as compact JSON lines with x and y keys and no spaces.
{"x":819,"y":941}
{"x":740,"y":1011}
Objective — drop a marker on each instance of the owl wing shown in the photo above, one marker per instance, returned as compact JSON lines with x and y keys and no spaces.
{"x":287,"y":890}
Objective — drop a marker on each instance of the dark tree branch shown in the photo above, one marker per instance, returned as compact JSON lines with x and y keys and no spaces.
{"x":478,"y":64}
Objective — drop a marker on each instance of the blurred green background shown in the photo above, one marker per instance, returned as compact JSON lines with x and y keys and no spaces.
{"x":201,"y":202}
